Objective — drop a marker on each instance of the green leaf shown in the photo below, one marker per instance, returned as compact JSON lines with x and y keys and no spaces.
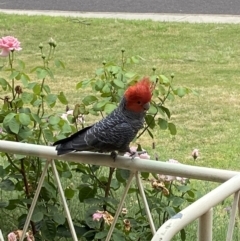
{"x":14,"y":125}
{"x":172,"y":128}
{"x":37,"y":216}
{"x":69,"y":193}
{"x":51,"y":99}
{"x":101,"y":234}
{"x":145,"y":175}
{"x":25,"y":79}
{"x":7,"y":185}
{"x":25,"y":133}
{"x":106,"y":89}
{"x":181,"y":91}
{"x":58,"y":218}
{"x":62,"y":98}
{"x":36,"y":118}
{"x":27,"y":97}
{"x":118,"y":83}
{"x":85,"y":192}
{"x":115,"y":184}
{"x":21,"y":64}
{"x":48,"y":134}
{"x":150,"y":133}
{"x":59,"y":63}
{"x":150,"y":121}
{"x":41,"y":73}
{"x":4,"y":83}
{"x":54,"y":120}
{"x":165,"y":110}
{"x":3,"y":204}
{"x":108,"y":108}
{"x":152,"y":110}
{"x":177,"y":201}
{"x":164,"y":79}
{"x":99,"y":85}
{"x":82,"y":84}
{"x":183,"y":235}
{"x":99,"y":105}
{"x":162,"y":123}
{"x":8,"y":118}
{"x":50,"y":73}
{"x":24,"y":119}
{"x":37,"y":89}
{"x":47,"y":89}
{"x":122,"y":175}
{"x":2,"y":171}
{"x":88,"y":100}
{"x":48,"y":229}
{"x":14,"y":74}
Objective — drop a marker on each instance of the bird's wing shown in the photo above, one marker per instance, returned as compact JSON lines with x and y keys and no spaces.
{"x":110,"y":137}
{"x":78,"y":134}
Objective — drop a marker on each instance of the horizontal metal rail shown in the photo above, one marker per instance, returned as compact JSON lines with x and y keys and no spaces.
{"x":171,"y":227}
{"x":141,"y":165}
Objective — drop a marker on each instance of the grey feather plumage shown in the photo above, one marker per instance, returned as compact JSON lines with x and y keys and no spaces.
{"x":113,"y":133}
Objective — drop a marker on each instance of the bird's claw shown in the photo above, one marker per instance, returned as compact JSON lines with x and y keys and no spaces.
{"x":134,"y":154}
{"x":113,"y":155}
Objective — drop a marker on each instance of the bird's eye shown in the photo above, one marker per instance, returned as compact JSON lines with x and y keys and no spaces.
{"x":139,"y":102}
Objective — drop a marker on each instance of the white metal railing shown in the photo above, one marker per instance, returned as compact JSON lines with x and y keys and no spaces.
{"x":202,"y":209}
{"x":165,"y":232}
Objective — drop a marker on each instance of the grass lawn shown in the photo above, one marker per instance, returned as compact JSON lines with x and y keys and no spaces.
{"x":204,"y":57}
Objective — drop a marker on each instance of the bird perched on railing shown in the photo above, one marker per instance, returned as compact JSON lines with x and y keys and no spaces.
{"x":118,"y":129}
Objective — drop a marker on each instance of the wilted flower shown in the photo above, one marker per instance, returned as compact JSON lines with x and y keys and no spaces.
{"x":127,"y":225}
{"x":30,"y":236}
{"x":195,"y":154}
{"x":157,"y":184}
{"x":18,"y":89}
{"x":124,"y":211}
{"x":8,"y":44}
{"x":17,"y":234}
{"x":97,"y":216}
{"x":108,"y":218}
{"x":12,"y":236}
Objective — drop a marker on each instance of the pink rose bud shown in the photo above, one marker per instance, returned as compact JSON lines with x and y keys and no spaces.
{"x":195,"y":154}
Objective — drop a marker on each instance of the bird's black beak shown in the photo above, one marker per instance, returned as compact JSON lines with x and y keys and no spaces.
{"x":146,"y":106}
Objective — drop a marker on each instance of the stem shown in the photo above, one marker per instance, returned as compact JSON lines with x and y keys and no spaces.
{"x":27,"y":192}
{"x":95,"y":177}
{"x":165,"y":213}
{"x":107,"y":191}
{"x":12,"y":163}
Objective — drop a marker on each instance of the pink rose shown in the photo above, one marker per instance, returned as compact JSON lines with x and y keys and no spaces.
{"x":8,"y":44}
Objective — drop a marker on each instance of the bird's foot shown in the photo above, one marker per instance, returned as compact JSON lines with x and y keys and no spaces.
{"x":134,"y":154}
{"x":113,"y":155}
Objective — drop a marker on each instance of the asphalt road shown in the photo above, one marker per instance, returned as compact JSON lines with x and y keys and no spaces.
{"x":229,"y":7}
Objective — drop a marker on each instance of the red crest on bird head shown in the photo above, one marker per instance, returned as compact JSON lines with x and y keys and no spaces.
{"x":139,"y":95}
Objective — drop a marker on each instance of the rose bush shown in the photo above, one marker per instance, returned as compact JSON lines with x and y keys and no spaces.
{"x":27,"y":115}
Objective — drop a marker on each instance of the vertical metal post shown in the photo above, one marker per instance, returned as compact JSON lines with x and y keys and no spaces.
{"x":61,"y":193}
{"x":205,"y":226}
{"x":120,"y":205}
{"x":1,"y":236}
{"x":232,"y":217}
{"x":142,"y":193}
{"x":34,"y":201}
